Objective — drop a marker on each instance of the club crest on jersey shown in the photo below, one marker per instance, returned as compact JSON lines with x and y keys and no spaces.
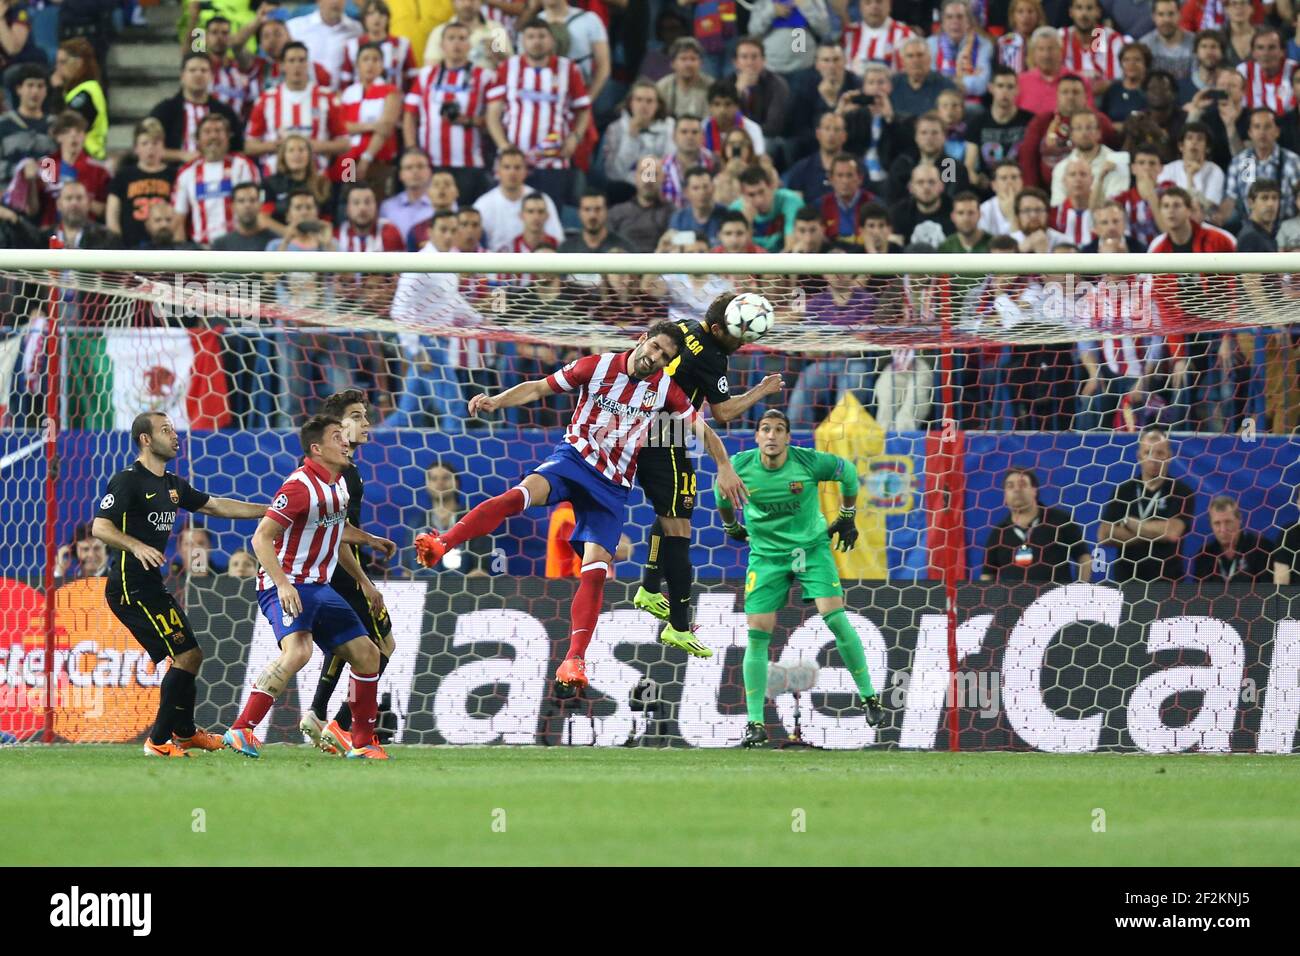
{"x":688,"y":501}
{"x":175,"y":495}
{"x":796,"y":487}
{"x":650,"y":399}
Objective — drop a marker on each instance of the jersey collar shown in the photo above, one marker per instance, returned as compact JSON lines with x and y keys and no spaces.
{"x":319,"y":471}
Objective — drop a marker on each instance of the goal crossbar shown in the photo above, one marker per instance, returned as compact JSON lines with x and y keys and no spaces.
{"x":973,"y":264}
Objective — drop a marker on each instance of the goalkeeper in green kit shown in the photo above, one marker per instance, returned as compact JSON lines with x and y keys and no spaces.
{"x":789,"y":540}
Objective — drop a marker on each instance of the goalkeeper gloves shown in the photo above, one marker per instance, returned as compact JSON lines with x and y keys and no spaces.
{"x":736,"y":530}
{"x":846,"y":527}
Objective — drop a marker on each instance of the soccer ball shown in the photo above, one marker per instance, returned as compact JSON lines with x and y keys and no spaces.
{"x":749,"y":317}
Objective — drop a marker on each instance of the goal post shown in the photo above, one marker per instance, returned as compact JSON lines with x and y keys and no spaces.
{"x":957,"y":385}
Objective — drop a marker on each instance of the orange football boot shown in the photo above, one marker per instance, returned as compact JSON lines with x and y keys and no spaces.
{"x":572,"y":673}
{"x":202,"y":740}
{"x":429,"y":549}
{"x":152,"y":749}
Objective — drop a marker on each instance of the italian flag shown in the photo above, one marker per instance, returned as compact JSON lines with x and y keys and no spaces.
{"x":174,"y":371}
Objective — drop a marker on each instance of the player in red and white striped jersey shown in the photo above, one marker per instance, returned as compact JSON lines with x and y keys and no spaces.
{"x":361,"y":229}
{"x":368,"y":111}
{"x":295,"y":106}
{"x":1268,"y":72}
{"x":445,"y":105}
{"x":539,"y":103}
{"x":620,"y":396}
{"x":1089,"y":50}
{"x":205,"y":189}
{"x":400,"y":65}
{"x":877,"y":39}
{"x":308,"y":507}
{"x":298,"y":546}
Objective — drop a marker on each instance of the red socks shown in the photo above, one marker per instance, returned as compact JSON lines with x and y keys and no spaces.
{"x":487,"y":517}
{"x":586,"y":607}
{"x":362,"y":698}
{"x":259,"y":702}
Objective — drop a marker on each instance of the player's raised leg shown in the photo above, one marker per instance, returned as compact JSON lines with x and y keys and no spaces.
{"x":649,"y":596}
{"x":483,"y":519}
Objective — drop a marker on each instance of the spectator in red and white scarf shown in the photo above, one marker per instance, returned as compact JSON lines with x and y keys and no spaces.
{"x":1023,"y":17}
{"x":960,"y":53}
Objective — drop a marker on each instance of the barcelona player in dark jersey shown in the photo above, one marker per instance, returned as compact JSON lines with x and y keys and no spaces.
{"x":668,"y":477}
{"x":349,"y":407}
{"x":135,"y":518}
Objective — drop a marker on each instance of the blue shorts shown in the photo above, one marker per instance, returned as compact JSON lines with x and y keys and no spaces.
{"x":325,"y":613}
{"x":599,"y":505}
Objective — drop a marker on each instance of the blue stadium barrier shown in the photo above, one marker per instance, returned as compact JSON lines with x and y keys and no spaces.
{"x":1076,"y":471}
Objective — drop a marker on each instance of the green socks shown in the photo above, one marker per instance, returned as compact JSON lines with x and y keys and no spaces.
{"x":754,"y":669}
{"x":755,"y":664}
{"x":848,"y":644}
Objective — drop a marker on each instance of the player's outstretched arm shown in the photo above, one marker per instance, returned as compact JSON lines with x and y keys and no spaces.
{"x":230,"y":508}
{"x":729,"y":483}
{"x":354,"y":535}
{"x":349,"y":563}
{"x":264,"y":548}
{"x":737,"y":405}
{"x":524,"y":393}
{"x":103,"y":529}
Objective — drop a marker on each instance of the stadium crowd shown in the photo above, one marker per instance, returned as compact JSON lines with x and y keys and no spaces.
{"x":826,"y":126}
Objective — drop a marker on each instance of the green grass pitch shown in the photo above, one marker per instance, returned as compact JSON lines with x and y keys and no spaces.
{"x":434,"y":806}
